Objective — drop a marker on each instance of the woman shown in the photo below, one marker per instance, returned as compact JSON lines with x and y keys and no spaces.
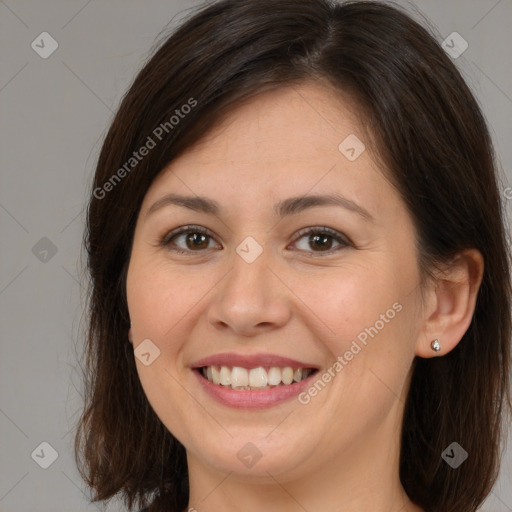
{"x":300,"y":282}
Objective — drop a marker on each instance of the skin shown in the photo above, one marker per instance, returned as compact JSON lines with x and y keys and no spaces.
{"x":339,"y":452}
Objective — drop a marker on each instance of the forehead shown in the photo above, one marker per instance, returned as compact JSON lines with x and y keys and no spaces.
{"x":279,"y":140}
{"x":289,"y":123}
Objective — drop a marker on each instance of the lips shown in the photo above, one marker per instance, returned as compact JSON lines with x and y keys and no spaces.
{"x":244,"y":381}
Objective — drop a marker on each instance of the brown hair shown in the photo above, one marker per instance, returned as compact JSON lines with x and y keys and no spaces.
{"x":429,"y":132}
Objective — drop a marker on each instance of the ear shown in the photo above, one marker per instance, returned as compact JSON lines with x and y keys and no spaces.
{"x":449,"y":303}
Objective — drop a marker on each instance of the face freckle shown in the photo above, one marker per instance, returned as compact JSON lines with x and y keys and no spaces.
{"x":351,"y":314}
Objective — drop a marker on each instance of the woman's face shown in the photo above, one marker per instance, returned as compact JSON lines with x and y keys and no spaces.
{"x":274,"y":284}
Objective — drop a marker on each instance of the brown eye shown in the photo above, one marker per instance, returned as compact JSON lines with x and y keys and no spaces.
{"x":196,"y":241}
{"x":320,"y":240}
{"x":187,"y":239}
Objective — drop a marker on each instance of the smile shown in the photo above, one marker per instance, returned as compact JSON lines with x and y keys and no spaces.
{"x":252,"y":381}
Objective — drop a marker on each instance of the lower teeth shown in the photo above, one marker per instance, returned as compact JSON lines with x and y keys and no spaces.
{"x":246,"y":388}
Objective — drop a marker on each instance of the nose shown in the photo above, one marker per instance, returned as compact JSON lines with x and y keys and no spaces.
{"x":250,"y":300}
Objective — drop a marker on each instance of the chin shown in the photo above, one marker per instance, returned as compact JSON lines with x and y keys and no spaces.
{"x":256,"y":458}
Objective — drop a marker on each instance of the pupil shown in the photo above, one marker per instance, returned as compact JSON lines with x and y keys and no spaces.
{"x":194,"y":237}
{"x":316,"y":238}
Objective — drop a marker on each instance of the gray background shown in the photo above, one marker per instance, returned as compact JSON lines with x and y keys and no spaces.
{"x":54,"y":113}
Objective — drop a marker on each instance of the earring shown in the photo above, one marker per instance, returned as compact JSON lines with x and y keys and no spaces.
{"x":436,"y":346}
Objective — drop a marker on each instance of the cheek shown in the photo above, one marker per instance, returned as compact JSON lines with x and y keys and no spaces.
{"x":159,"y":297}
{"x":160,"y":304}
{"x":367,"y":316}
{"x":349,"y":301}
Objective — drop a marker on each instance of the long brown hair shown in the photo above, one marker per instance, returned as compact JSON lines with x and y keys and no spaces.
{"x":431,"y":137}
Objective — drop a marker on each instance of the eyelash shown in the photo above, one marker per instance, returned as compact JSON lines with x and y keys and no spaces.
{"x":167,"y":240}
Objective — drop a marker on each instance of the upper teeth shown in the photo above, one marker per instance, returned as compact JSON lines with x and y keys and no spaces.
{"x":237,"y":377}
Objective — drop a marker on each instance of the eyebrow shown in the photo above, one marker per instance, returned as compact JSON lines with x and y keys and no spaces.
{"x":290,"y":206}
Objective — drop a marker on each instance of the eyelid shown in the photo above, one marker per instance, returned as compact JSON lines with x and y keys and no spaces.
{"x":337,"y":235}
{"x":185,"y":229}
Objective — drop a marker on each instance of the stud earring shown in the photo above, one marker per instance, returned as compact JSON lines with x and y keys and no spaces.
{"x":436,"y":346}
